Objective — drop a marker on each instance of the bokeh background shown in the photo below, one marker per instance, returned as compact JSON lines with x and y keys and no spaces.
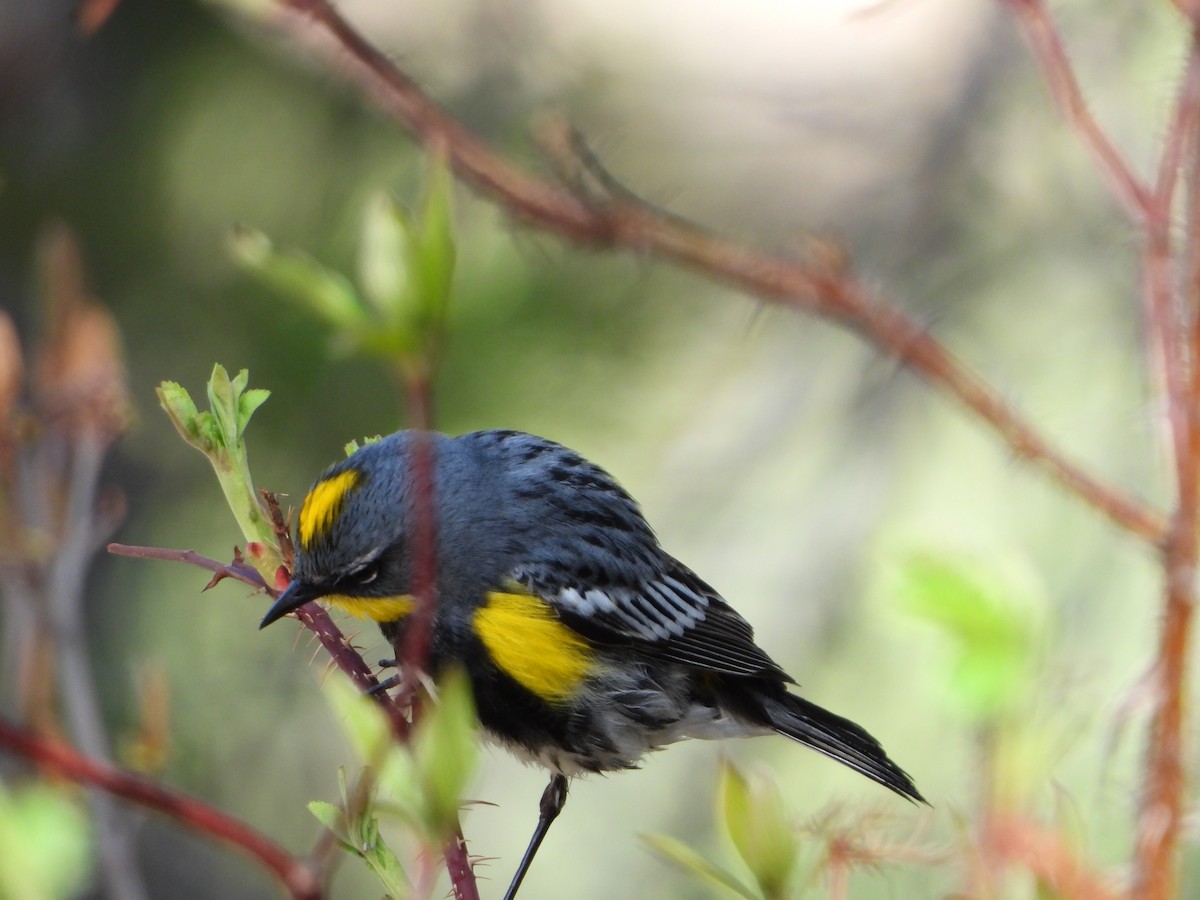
{"x":789,"y":463}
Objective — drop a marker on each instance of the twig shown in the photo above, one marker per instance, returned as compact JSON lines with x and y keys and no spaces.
{"x":81,"y":702}
{"x":189,"y":811}
{"x":313,"y":617}
{"x":1160,"y":812}
{"x":236,"y":570}
{"x":414,"y":655}
{"x":624,"y":222}
{"x":1043,"y":852}
{"x":1043,"y":36}
{"x":317,"y":620}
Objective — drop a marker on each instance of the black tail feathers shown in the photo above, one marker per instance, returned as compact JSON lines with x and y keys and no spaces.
{"x":832,"y":735}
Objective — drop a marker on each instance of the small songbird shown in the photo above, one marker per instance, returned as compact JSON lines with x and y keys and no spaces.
{"x":585,"y":643}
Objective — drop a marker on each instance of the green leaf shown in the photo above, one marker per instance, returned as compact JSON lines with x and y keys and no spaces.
{"x":360,"y":836}
{"x":362,"y":719}
{"x":219,"y":435}
{"x":177,"y":403}
{"x":329,"y":815}
{"x":44,"y":844}
{"x":248,"y":403}
{"x":684,"y":857}
{"x":383,"y":861}
{"x":757,"y":823}
{"x":445,"y":748}
{"x":223,"y":401}
{"x":299,"y":278}
{"x":352,"y":447}
{"x":383,"y":268}
{"x":989,"y":613}
{"x":435,"y":248}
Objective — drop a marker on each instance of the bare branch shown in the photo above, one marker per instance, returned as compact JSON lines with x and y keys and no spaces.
{"x":236,"y":570}
{"x":1130,"y":192}
{"x":195,"y":814}
{"x":625,"y":222}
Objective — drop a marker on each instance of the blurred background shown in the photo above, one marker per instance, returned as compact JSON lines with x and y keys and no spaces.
{"x":789,"y":463}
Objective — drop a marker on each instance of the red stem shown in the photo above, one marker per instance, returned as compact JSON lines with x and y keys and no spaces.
{"x":317,"y":620}
{"x":1047,"y":46}
{"x":415,"y":653}
{"x":622,"y":221}
{"x":295,"y":874}
{"x":1174,"y":320}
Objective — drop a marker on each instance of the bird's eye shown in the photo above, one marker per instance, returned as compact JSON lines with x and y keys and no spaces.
{"x":365,"y":574}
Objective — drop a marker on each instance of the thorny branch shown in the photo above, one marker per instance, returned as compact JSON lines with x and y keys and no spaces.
{"x":346,"y":658}
{"x":623,"y":222}
{"x":195,"y":814}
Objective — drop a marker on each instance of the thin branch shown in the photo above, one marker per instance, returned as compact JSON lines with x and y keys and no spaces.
{"x":624,"y":222}
{"x":312,"y":616}
{"x":1161,"y":807}
{"x":1043,"y":852}
{"x":67,"y":575}
{"x":343,"y":654}
{"x":1183,"y":123}
{"x":189,"y":811}
{"x":236,"y":570}
{"x":1129,"y":191}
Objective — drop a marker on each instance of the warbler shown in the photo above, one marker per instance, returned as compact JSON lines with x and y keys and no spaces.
{"x":585,"y":643}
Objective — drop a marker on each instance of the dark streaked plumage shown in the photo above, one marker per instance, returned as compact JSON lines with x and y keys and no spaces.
{"x":587,"y":645}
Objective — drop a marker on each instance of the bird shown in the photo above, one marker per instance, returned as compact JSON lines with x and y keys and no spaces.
{"x":586,"y":644}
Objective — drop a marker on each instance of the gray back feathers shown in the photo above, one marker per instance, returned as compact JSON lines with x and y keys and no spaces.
{"x":516,"y":509}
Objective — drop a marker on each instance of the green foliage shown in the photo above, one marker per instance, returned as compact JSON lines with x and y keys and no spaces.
{"x":220,"y":435}
{"x":991,"y":616}
{"x":684,"y":857}
{"x":44,"y":844}
{"x":352,"y":447}
{"x":356,"y":828}
{"x":444,"y":751}
{"x":406,"y":266}
{"x":298,"y":276}
{"x":764,"y":838}
{"x":420,"y":783}
{"x":752,"y":810}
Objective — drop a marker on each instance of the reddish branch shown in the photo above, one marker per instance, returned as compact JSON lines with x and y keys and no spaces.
{"x":1173,"y":319}
{"x":313,"y":617}
{"x":198,"y":816}
{"x":1173,"y":335}
{"x":236,"y":570}
{"x":1047,"y":45}
{"x":1043,"y":852}
{"x":621,"y":221}
{"x":346,"y":658}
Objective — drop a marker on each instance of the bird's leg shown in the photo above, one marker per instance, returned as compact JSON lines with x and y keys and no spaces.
{"x":554,"y":798}
{"x":388,"y":683}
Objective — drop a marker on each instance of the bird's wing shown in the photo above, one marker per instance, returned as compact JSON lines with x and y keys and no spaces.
{"x":665,"y":611}
{"x":584,"y":547}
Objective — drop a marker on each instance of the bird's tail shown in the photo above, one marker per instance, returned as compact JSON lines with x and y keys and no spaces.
{"x":837,"y":738}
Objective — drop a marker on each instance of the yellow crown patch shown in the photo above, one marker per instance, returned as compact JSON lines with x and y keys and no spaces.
{"x":324,"y":503}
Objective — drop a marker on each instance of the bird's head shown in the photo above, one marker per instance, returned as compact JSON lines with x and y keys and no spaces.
{"x":354,"y":536}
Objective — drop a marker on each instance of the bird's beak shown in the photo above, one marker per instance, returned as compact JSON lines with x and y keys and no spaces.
{"x":297,"y":594}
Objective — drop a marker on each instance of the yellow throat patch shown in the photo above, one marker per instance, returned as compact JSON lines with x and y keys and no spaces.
{"x":379,"y":609}
{"x":526,"y":640}
{"x":323,"y":504}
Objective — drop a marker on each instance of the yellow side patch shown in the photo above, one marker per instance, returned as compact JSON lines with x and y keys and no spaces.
{"x":381,"y":609}
{"x":323,"y":503}
{"x":525,"y":638}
